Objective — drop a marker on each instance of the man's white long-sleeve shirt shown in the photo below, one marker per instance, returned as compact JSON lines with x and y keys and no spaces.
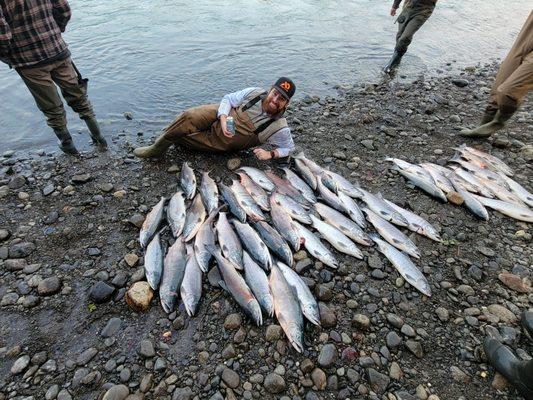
{"x":281,"y":140}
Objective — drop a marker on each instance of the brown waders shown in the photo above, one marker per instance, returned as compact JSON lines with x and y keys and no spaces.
{"x":513,"y":81}
{"x":199,"y":128}
{"x":410,"y":21}
{"x":42,"y":81}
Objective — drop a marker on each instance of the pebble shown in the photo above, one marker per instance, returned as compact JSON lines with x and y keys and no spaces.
{"x":101,"y":292}
{"x":116,"y":392}
{"x":233,"y":163}
{"x":442,"y":313}
{"x":378,"y":381}
{"x":514,"y":282}
{"x":273,"y":333}
{"x":231,"y":378}
{"x":502,"y":313}
{"x":146,"y":349}
{"x":460,"y":82}
{"x":361,"y":321}
{"x":20,"y":364}
{"x":319,"y":378}
{"x":184,"y":393}
{"x":415,"y":348}
{"x":112,"y":327}
{"x":233,"y":321}
{"x":139,"y":296}
{"x":86,"y":356}
{"x":274,"y":383}
{"x":459,"y":375}
{"x":328,"y":355}
{"x":49,"y":286}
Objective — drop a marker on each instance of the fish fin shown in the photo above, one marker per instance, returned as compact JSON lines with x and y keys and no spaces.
{"x":396,"y":241}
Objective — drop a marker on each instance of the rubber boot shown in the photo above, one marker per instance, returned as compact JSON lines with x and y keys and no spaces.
{"x":157,"y":149}
{"x":486,"y":130}
{"x":65,"y":142}
{"x":393,"y":63}
{"x":519,"y":373}
{"x":489,"y":114}
{"x":527,"y":323}
{"x":96,"y":135}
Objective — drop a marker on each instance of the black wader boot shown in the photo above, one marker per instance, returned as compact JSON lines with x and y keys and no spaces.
{"x":519,"y":373}
{"x":393,"y":63}
{"x":96,"y":136}
{"x":65,"y":141}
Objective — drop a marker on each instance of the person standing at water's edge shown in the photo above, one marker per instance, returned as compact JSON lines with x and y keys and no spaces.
{"x":32,"y":44}
{"x":258,"y":120}
{"x":513,"y":81}
{"x":414,"y":14}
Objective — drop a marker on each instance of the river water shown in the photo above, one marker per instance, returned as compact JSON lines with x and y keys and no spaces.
{"x":154,"y":58}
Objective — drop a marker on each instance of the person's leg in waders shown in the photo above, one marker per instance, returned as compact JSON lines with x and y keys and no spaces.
{"x":517,"y":372}
{"x":192,"y":121}
{"x":74,"y":91}
{"x":508,"y":97}
{"x":41,"y":85}
{"x":409,"y":22}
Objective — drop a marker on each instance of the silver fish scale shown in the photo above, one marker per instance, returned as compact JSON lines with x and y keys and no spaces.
{"x":151,"y":223}
{"x":173,"y":271}
{"x":209,"y":192}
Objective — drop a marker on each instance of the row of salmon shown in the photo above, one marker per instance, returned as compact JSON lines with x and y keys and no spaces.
{"x":247,"y":242}
{"x":480,"y":179}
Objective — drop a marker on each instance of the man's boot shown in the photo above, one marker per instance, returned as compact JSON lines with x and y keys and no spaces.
{"x":486,"y":130}
{"x":157,"y":149}
{"x":489,"y":114}
{"x":96,"y":135}
{"x":519,"y":373}
{"x":393,"y":63}
{"x":65,"y":141}
{"x":527,"y":323}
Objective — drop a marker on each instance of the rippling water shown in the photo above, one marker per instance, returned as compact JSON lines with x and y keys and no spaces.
{"x":155,"y":58}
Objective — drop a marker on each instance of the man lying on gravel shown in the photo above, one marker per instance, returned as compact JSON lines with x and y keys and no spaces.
{"x":513,"y":81}
{"x":258,"y":121}
{"x":31,"y":42}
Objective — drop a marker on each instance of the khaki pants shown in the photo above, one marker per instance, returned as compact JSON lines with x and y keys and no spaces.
{"x":42,"y":81}
{"x":409,"y":21}
{"x":195,"y":120}
{"x":515,"y":76}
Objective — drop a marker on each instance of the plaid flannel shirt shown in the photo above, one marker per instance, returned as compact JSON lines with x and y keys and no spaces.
{"x":30,"y":31}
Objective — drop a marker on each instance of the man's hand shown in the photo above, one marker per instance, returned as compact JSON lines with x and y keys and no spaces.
{"x":393,"y":11}
{"x":261,"y":154}
{"x":224,"y":126}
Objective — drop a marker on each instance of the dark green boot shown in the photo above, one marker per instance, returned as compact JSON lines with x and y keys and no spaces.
{"x":96,"y":135}
{"x":393,"y":63}
{"x":519,"y":373}
{"x":486,"y":130}
{"x":527,"y":323}
{"x":157,"y":149}
{"x":65,"y":142}
{"x":489,"y":114}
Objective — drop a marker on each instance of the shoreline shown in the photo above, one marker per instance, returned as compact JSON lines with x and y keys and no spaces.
{"x":71,"y":223}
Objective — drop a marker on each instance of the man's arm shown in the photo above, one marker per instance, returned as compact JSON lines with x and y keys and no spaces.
{"x":395,"y":6}
{"x":281,"y":141}
{"x":233,"y":100}
{"x":5,"y":38}
{"x":61,"y":12}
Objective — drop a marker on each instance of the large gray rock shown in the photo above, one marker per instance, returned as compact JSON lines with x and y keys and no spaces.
{"x":328,"y":355}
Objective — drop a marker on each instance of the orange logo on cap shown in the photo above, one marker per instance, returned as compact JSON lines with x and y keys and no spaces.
{"x":285,"y":85}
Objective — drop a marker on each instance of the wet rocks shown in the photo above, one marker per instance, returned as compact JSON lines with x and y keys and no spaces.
{"x":233,"y":321}
{"x":21,"y":250}
{"x":81,"y":178}
{"x":274,"y":383}
{"x":514,"y":282}
{"x":378,"y":381}
{"x":139,"y":296}
{"x":116,"y":392}
{"x":231,"y":378}
{"x":147,"y":349}
{"x":101,"y":292}
{"x":20,"y":365}
{"x":459,"y":82}
{"x":16,"y":182}
{"x":502,"y":313}
{"x":49,"y":286}
{"x":328,"y":355}
{"x":112,"y":327}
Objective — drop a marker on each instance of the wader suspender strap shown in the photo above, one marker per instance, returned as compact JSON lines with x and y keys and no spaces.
{"x":252,"y":102}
